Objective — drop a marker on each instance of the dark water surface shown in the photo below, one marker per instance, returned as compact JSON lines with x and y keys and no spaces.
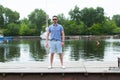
{"x":74,"y":50}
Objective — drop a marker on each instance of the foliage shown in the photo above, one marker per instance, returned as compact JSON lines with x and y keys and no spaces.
{"x":12,"y":30}
{"x":95,"y":29}
{"x":81,"y":22}
{"x":11,"y":16}
{"x":1,"y":16}
{"x":116,"y":31}
{"x":75,"y":15}
{"x":108,"y":27}
{"x":38,"y":18}
{"x":8,"y":16}
{"x":61,"y":19}
{"x":90,"y":16}
{"x":72,"y":29}
{"x":116,"y":19}
{"x":24,"y":29}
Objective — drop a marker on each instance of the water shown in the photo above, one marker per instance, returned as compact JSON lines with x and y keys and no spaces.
{"x":74,"y":50}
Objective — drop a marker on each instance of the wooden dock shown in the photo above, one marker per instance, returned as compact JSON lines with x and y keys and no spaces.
{"x":76,"y":70}
{"x":75,"y":66}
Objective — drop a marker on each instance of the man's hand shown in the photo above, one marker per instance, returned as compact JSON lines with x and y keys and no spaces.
{"x":46,"y":44}
{"x":62,"y":43}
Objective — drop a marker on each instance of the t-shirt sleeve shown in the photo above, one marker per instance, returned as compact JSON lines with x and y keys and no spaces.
{"x":49,"y":30}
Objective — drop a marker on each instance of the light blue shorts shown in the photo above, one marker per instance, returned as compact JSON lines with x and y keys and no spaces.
{"x":55,"y":46}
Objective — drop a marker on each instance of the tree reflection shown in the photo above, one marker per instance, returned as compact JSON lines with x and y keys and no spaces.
{"x":74,"y":50}
{"x":92,"y":51}
{"x":8,"y":52}
{"x":22,"y":50}
{"x":85,"y":49}
{"x":37,"y":51}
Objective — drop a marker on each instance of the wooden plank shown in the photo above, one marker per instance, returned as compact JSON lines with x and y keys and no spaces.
{"x":71,"y":67}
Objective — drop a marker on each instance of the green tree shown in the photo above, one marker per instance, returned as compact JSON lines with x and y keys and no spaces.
{"x":61,"y":19}
{"x":11,"y":16}
{"x":108,"y":27}
{"x":95,"y":29}
{"x":12,"y":30}
{"x":90,"y":16}
{"x":24,"y":29}
{"x":75,"y":15}
{"x":38,"y":18}
{"x":71,"y":28}
{"x":116,"y":31}
{"x":1,"y":16}
{"x":116,"y":19}
{"x":8,"y":16}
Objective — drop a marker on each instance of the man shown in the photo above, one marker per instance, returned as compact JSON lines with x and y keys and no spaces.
{"x":56,"y":33}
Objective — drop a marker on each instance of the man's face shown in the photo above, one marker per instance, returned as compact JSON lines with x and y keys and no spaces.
{"x":55,"y":19}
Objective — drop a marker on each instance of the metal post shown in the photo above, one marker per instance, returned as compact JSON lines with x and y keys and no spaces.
{"x":46,"y":15}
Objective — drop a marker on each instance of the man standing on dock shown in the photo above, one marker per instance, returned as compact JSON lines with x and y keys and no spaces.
{"x":56,"y":33}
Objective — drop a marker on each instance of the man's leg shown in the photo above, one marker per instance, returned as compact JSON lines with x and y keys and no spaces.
{"x":61,"y":58}
{"x":51,"y":59}
{"x":52,"y":50}
{"x":59,"y":51}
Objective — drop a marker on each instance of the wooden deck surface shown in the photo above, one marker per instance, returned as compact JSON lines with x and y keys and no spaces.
{"x":75,"y":66}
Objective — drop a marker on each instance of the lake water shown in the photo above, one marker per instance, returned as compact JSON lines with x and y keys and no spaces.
{"x":74,"y":50}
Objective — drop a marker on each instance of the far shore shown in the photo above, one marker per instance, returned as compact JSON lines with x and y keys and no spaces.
{"x":71,"y":37}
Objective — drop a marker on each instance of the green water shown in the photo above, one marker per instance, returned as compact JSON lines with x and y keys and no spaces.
{"x":74,"y":50}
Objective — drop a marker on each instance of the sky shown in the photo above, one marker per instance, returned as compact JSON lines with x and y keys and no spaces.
{"x":55,"y":7}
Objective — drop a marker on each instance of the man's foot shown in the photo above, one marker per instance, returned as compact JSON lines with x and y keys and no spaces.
{"x":49,"y":67}
{"x":63,"y":67}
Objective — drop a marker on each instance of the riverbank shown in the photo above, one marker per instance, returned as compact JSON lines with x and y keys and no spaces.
{"x":25,"y":37}
{"x":72,"y":37}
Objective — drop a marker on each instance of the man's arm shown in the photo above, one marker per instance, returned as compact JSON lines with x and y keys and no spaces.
{"x":63,"y":38}
{"x":47,"y":37}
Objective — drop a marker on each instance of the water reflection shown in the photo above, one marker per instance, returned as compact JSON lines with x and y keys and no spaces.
{"x":85,"y":50}
{"x":7,"y":52}
{"x":74,"y":50}
{"x":112,"y":49}
{"x":24,"y":52}
{"x":38,"y":51}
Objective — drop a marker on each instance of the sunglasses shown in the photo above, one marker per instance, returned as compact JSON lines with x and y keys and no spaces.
{"x":54,"y":19}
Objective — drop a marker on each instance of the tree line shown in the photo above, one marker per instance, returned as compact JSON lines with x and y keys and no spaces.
{"x":87,"y":21}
